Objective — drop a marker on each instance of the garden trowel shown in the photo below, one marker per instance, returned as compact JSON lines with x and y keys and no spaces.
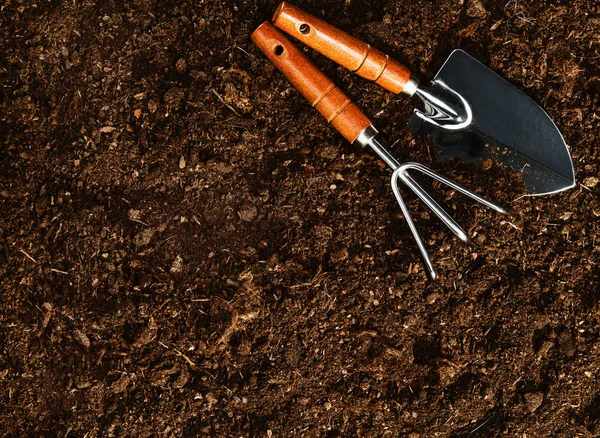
{"x":469,"y":110}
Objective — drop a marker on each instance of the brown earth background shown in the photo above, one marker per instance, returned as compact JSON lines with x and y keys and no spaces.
{"x":186,"y":248}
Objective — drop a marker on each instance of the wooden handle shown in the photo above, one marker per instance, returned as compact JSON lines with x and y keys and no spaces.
{"x":344,"y":49}
{"x":317,"y":88}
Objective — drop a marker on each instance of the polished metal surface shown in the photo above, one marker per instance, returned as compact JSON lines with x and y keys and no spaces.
{"x":411,"y":86}
{"x":504,"y":125}
{"x":363,"y":139}
{"x":444,"y":107}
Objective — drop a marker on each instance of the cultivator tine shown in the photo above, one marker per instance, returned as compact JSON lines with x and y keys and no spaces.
{"x":401,"y":173}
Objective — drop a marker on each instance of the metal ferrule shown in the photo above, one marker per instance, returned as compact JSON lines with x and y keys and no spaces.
{"x":411,"y":86}
{"x":363,"y":139}
{"x":367,"y":138}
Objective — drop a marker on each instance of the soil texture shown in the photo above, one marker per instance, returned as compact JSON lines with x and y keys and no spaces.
{"x":188,"y":249}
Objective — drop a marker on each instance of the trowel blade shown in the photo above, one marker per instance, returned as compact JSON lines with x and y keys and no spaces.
{"x":507,"y":126}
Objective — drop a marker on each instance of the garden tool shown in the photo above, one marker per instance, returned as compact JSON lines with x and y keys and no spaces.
{"x":348,"y":120}
{"x":470,"y":111}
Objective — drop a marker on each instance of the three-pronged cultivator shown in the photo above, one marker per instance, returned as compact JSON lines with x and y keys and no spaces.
{"x":349,"y":121}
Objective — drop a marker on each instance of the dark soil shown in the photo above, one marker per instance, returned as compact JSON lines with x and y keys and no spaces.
{"x":186,"y":248}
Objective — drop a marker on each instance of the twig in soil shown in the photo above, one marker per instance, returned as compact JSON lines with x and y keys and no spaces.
{"x":239,"y":321}
{"x":394,"y":352}
{"x":224,"y":103}
{"x":239,"y":48}
{"x":161,"y":306}
{"x":139,"y":222}
{"x":58,"y":271}
{"x":28,"y":256}
{"x":166,"y":240}
{"x":315,"y":282}
{"x":511,"y":224}
{"x":482,"y":424}
{"x":585,"y":187}
{"x":179,"y":353}
{"x":57,"y":232}
{"x":187,"y":359}
{"x":47,"y":316}
{"x":395,"y":143}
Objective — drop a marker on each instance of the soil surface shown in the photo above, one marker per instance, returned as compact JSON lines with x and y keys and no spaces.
{"x":187,"y":248}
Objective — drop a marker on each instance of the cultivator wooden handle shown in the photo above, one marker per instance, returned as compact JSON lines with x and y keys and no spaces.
{"x":318,"y":89}
{"x":344,"y":49}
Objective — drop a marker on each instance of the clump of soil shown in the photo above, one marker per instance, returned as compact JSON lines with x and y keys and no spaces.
{"x":186,"y":248}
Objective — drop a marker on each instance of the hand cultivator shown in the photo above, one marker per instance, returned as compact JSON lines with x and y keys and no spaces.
{"x":349,"y":120}
{"x":468,"y":110}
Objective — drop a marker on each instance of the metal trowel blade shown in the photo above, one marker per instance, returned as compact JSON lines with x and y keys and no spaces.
{"x":507,"y":126}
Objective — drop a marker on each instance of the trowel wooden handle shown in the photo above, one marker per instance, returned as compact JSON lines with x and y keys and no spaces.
{"x":317,"y":88}
{"x":344,"y":49}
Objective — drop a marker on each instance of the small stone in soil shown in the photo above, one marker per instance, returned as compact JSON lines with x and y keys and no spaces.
{"x":591,"y":181}
{"x":120,"y":385}
{"x":303,"y":401}
{"x":176,"y":266}
{"x":211,"y":398}
{"x":248,"y":213}
{"x":144,"y":237}
{"x":534,"y":400}
{"x":181,"y":65}
{"x":486,"y":164}
{"x":82,"y":338}
{"x":566,"y":343}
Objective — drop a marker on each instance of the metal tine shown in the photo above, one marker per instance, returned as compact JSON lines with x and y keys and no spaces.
{"x":435,"y":207}
{"x":411,"y":225}
{"x":402,"y":173}
{"x":427,"y":171}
